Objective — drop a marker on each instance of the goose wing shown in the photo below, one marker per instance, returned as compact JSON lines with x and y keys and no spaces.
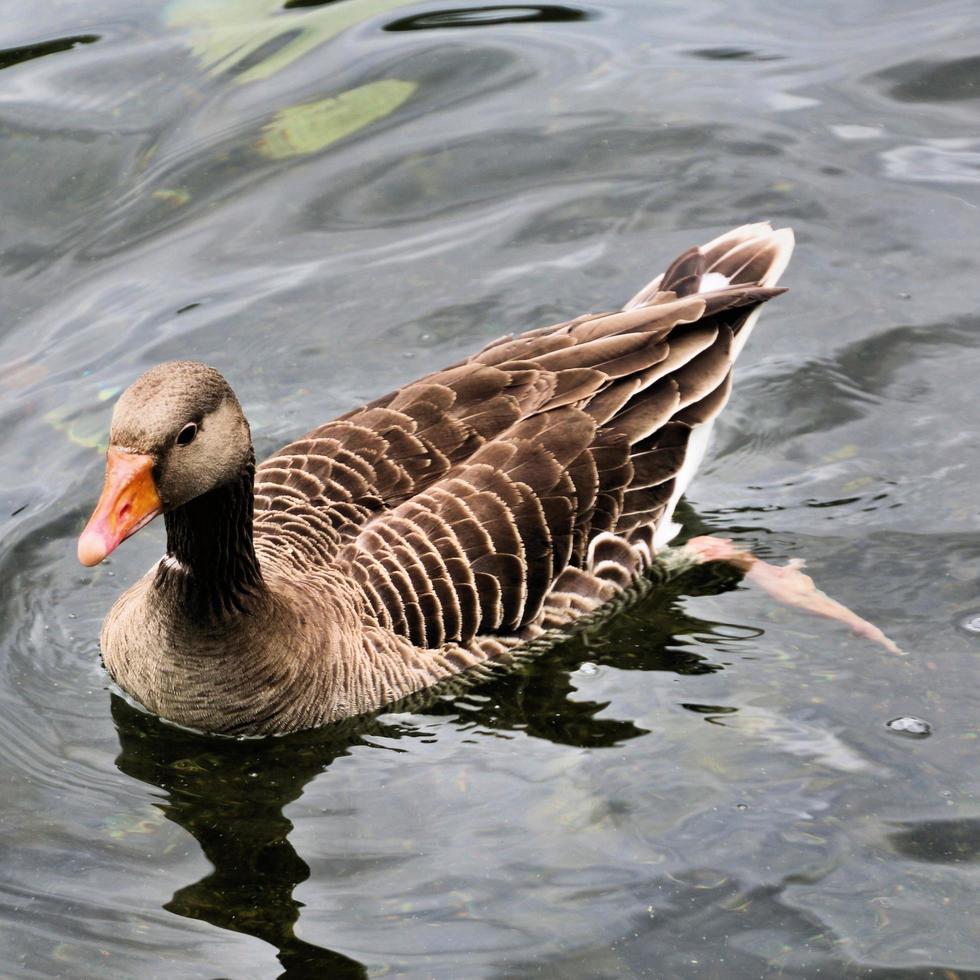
{"x":457,"y":500}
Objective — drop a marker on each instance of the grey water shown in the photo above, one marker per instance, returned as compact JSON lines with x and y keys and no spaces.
{"x":327,"y":199}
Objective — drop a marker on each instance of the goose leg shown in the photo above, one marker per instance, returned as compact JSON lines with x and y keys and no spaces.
{"x":788,"y":583}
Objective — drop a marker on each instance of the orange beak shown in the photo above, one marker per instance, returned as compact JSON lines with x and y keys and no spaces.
{"x":129,"y":501}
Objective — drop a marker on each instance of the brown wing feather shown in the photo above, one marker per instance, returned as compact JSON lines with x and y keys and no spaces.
{"x":540,"y":467}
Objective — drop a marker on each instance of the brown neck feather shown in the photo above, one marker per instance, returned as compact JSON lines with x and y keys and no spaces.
{"x":213,"y":571}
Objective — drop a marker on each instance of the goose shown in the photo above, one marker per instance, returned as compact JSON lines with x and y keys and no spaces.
{"x":449,"y":524}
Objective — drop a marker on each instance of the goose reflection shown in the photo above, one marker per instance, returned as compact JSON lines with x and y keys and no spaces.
{"x":230,"y":794}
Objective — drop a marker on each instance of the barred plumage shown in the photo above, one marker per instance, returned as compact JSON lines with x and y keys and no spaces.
{"x":441,"y":526}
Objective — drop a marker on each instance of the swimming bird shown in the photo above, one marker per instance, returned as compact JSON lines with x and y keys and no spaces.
{"x":445,"y":525}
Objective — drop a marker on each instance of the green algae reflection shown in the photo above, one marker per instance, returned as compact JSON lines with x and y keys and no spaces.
{"x":253,"y":39}
{"x":306,"y":128}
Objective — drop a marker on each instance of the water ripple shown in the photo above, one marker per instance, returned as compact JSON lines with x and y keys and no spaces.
{"x":490,"y":16}
{"x":326,"y":199}
{"x":28,"y":52}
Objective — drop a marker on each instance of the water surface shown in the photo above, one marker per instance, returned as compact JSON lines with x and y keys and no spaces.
{"x":326,"y":199}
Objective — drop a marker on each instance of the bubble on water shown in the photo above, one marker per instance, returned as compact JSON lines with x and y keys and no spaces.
{"x":971,"y":622}
{"x":589,"y":668}
{"x":741,"y":806}
{"x":908,"y":725}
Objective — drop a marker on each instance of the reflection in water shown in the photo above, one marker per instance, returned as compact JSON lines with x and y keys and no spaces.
{"x":939,"y":841}
{"x":14,"y":56}
{"x":230,"y":794}
{"x":951,"y":80}
{"x":298,"y":4}
{"x":732,"y":54}
{"x":264,"y":52}
{"x":537,"y":170}
{"x":539,"y":699}
{"x":488,"y":16}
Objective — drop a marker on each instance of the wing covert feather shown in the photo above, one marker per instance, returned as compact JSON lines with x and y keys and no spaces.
{"x":460,"y":502}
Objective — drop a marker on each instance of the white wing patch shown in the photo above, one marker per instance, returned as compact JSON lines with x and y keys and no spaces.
{"x":711,"y":281}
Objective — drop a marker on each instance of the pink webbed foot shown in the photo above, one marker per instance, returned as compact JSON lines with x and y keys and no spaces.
{"x":788,"y":583}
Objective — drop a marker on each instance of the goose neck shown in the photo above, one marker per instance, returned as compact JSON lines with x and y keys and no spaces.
{"x":211,"y":569}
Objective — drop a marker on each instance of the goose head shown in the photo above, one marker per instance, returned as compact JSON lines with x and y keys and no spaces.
{"x":177,"y":432}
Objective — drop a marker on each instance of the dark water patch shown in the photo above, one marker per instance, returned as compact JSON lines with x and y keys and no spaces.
{"x":956,"y":80}
{"x":490,"y":16}
{"x":939,"y":841}
{"x":875,"y":362}
{"x":14,"y":56}
{"x":832,"y":392}
{"x":712,"y":712}
{"x":755,"y":148}
{"x":265,"y":51}
{"x":709,"y":709}
{"x":302,"y":4}
{"x":732,"y":54}
{"x":841,"y":502}
{"x":819,"y":396}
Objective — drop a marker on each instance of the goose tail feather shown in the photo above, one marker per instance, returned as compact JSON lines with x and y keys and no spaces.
{"x":751,"y":255}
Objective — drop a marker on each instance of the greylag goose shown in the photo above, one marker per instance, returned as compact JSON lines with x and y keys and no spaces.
{"x":443,"y":526}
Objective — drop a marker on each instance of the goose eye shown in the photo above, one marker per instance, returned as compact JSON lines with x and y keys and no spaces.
{"x":186,"y":434}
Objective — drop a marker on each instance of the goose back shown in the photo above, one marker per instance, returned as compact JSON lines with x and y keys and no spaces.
{"x":458,"y":502}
